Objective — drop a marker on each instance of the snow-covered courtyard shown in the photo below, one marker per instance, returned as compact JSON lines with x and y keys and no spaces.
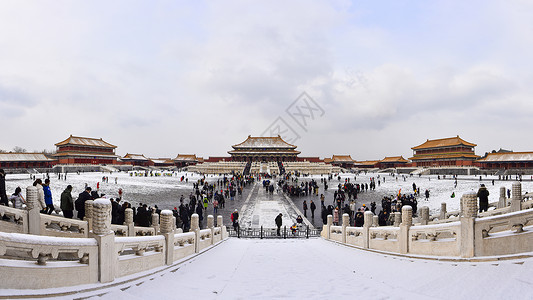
{"x":165,"y":191}
{"x":318,"y":269}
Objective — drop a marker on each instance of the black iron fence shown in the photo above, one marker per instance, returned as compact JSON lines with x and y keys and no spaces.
{"x":266,"y":233}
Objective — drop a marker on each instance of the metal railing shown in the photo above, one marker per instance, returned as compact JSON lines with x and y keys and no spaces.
{"x":266,"y":233}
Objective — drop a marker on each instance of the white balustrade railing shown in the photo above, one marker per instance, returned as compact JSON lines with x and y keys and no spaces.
{"x":501,"y":231}
{"x":63,"y":227}
{"x":16,"y":219}
{"x":504,"y":234}
{"x":30,"y":261}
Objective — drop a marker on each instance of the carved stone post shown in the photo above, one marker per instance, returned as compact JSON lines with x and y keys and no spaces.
{"x":424,"y":215}
{"x":443,"y":211}
{"x":220,"y":223}
{"x":397,"y":218}
{"x":468,"y":217}
{"x":89,"y":214}
{"x":155,"y":222}
{"x":128,"y":221}
{"x":195,"y":227}
{"x":211,"y":225}
{"x":173,"y":223}
{"x":516,"y":197}
{"x":34,"y":216}
{"x":328,"y":226}
{"x":345,"y":223}
{"x":167,"y":230}
{"x":502,"y":202}
{"x":368,"y":220}
{"x":407,"y":222}
{"x":101,"y":224}
{"x":375,"y":221}
{"x":210,"y":221}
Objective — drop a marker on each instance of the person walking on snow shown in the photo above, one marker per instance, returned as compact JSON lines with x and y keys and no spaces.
{"x":483,"y":195}
{"x":279,"y":222}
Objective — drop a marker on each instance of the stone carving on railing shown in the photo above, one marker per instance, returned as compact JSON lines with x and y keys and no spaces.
{"x":119,"y":230}
{"x":122,"y":244}
{"x":183,"y":238}
{"x":24,"y":247}
{"x":515,"y":223}
{"x":64,"y":225}
{"x":205,"y":234}
{"x":384,"y":233}
{"x":14,"y":215}
{"x":434,"y":235}
{"x":144,"y":231}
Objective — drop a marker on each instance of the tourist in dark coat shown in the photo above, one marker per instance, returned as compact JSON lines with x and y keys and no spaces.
{"x":359,"y":219}
{"x":313,"y":208}
{"x":279,"y":222}
{"x":80,"y":203}
{"x":200,"y":213}
{"x":483,"y":195}
{"x":3,"y":195}
{"x":66,"y":205}
{"x":115,"y":212}
{"x":324,"y":215}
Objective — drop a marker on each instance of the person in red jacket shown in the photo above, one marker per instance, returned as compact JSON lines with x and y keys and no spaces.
{"x":235,"y":219}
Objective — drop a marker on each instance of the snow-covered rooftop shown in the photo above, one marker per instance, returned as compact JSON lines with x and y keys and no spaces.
{"x":85,"y":141}
{"x":23,"y":157}
{"x":264,"y":142}
{"x":505,"y":157}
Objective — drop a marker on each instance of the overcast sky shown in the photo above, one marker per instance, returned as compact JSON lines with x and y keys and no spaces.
{"x":168,"y":77}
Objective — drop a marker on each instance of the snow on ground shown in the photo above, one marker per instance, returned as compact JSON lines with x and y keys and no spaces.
{"x":318,"y":269}
{"x":165,"y":191}
{"x":440,"y":189}
{"x":265,"y":207}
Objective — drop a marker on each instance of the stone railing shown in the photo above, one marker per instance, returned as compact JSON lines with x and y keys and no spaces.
{"x":31,"y":262}
{"x":30,"y":220}
{"x":386,"y":238}
{"x":47,"y":262}
{"x":469,"y":235}
{"x":62,"y":227}
{"x":137,"y":254}
{"x":504,"y":234}
{"x":16,"y":220}
{"x":435,"y":239}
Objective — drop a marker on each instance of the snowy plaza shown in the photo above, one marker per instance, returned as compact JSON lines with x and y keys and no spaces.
{"x":313,"y":268}
{"x":165,"y":189}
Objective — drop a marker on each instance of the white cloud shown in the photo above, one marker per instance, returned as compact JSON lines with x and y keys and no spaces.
{"x":166,"y":78}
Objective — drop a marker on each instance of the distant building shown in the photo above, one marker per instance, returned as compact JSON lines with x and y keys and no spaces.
{"x":217,"y":158}
{"x":367,"y":164}
{"x":137,"y":160}
{"x":25,"y":160}
{"x":264,"y":149}
{"x":162,"y":162}
{"x":83,"y":150}
{"x":507,"y":160}
{"x":444,"y":152}
{"x":314,"y":159}
{"x":183,"y":160}
{"x":343,"y":161}
{"x":393,"y":162}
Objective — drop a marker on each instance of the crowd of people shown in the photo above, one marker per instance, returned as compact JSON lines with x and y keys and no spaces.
{"x":204,"y":195}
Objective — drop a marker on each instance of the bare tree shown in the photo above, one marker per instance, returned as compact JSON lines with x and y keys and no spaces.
{"x":18,"y":149}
